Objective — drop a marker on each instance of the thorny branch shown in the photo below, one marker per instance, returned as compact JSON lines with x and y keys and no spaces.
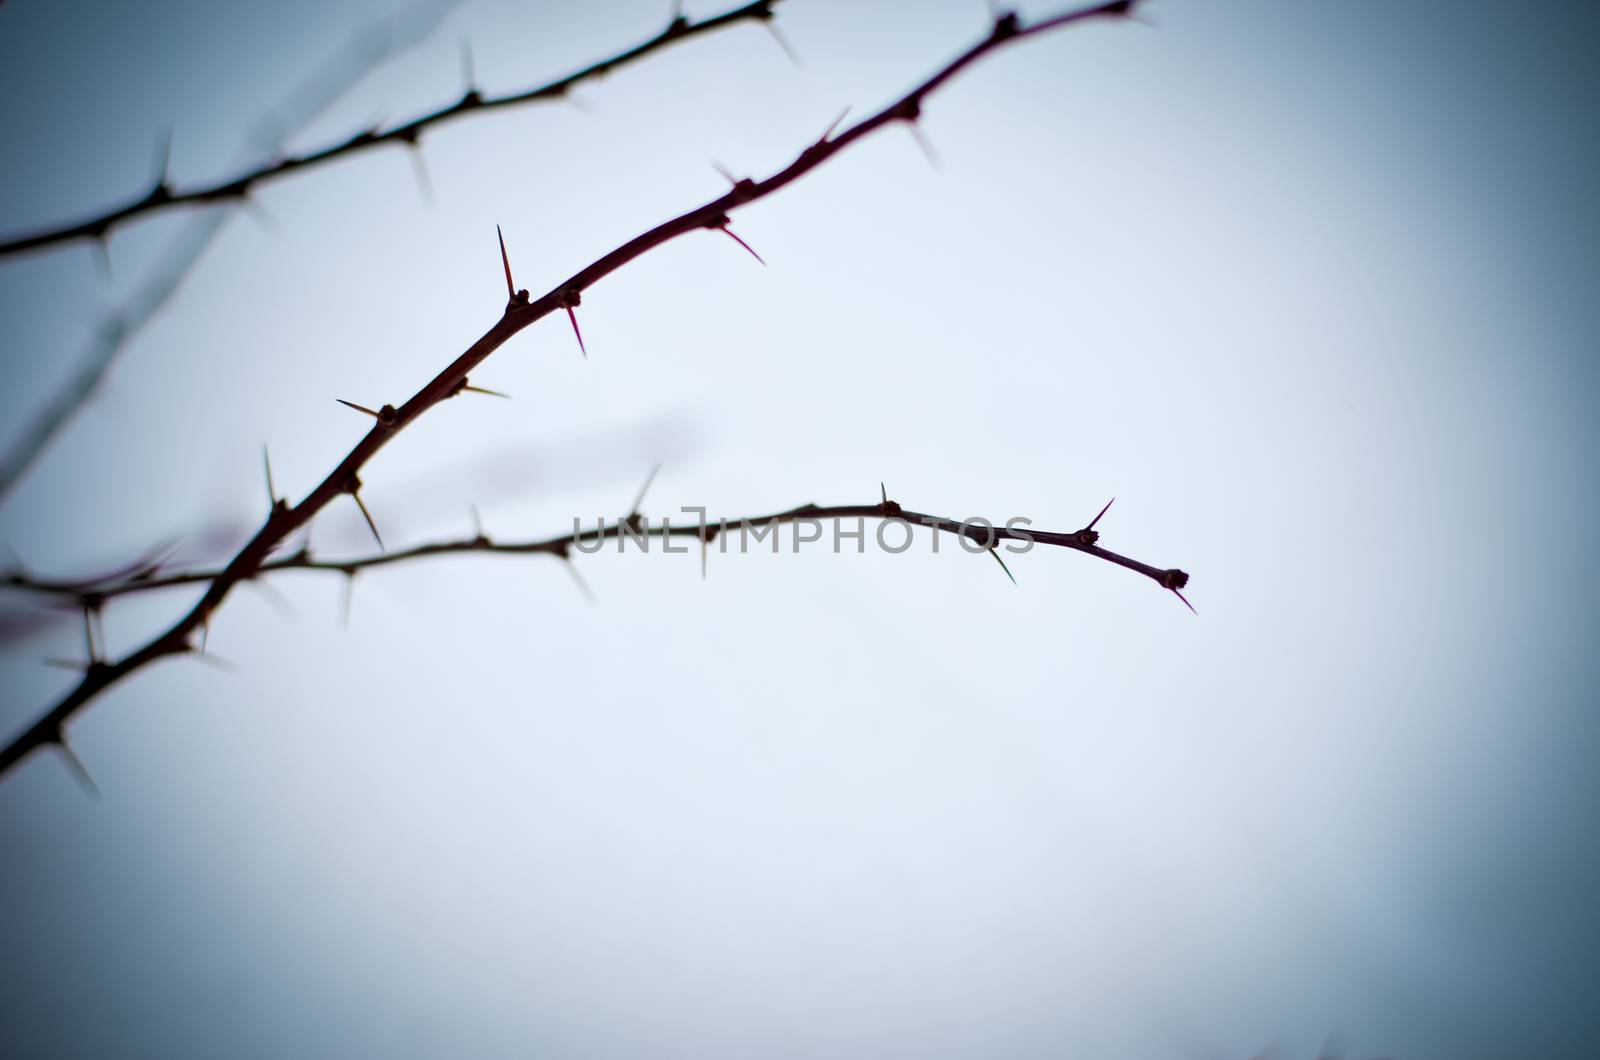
{"x":284,"y":519}
{"x":162,"y":195}
{"x":148,"y":576}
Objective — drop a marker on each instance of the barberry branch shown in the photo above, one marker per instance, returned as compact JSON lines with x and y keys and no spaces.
{"x":149,"y":577}
{"x":520,"y":312}
{"x":162,"y":195}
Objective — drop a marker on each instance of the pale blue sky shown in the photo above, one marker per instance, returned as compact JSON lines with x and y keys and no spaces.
{"x":1307,"y":287}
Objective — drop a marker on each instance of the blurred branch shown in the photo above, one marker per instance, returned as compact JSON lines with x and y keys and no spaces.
{"x":162,"y":195}
{"x":283,"y":519}
{"x":364,"y":52}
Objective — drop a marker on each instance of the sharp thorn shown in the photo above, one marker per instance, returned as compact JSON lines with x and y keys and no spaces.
{"x":644,"y":489}
{"x":484,"y":390}
{"x":272,"y":493}
{"x":583,"y":586}
{"x":469,"y":74}
{"x":577,"y":331}
{"x":358,"y":408}
{"x":783,"y":42}
{"x":835,"y":125}
{"x":419,"y":168}
{"x":1103,"y":511}
{"x":162,"y":157}
{"x":884,"y":492}
{"x":259,"y":215}
{"x":215,"y":662}
{"x":477,"y":521}
{"x":274,"y":596}
{"x":705,"y":547}
{"x":722,"y":169}
{"x":924,"y":143}
{"x":102,"y":256}
{"x":511,"y":288}
{"x":88,"y":634}
{"x":729,"y":233}
{"x":1003,"y":566}
{"x":368,"y":517}
{"x":66,"y":664}
{"x":349,"y":598}
{"x":1185,"y":600}
{"x":77,"y":766}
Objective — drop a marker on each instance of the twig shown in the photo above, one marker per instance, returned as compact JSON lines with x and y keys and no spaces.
{"x":520,"y":312}
{"x":140,"y":581}
{"x":162,"y":196}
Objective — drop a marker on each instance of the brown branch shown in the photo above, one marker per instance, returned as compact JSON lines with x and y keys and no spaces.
{"x":162,"y":195}
{"x":520,"y":312}
{"x":146,"y":577}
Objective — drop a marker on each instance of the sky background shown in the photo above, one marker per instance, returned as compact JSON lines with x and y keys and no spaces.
{"x":1309,"y":288}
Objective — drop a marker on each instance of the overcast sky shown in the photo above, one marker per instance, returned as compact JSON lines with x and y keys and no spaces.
{"x":1309,"y":288}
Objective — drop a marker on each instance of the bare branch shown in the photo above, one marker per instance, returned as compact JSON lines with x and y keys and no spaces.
{"x":239,"y":188}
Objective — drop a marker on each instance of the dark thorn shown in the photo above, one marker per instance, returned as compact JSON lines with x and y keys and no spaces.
{"x":729,"y":233}
{"x":726,"y":175}
{"x":1185,"y":600}
{"x":368,"y":517}
{"x":1103,"y":511}
{"x":643,"y":490}
{"x":359,"y":408}
{"x":576,"y":331}
{"x":266,"y":463}
{"x":477,"y":526}
{"x":161,"y":190}
{"x":1003,"y":566}
{"x":511,"y":288}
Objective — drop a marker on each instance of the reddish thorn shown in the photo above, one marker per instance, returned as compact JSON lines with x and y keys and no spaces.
{"x":511,"y":288}
{"x":1103,"y":511}
{"x":359,"y":408}
{"x":576,"y":331}
{"x":368,"y":517}
{"x":1185,"y":600}
{"x":729,"y":232}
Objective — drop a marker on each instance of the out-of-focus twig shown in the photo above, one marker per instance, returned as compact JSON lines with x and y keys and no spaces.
{"x":162,"y":195}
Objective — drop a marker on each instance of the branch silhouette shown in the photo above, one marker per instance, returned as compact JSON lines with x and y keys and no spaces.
{"x":521,"y":311}
{"x":162,"y":195}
